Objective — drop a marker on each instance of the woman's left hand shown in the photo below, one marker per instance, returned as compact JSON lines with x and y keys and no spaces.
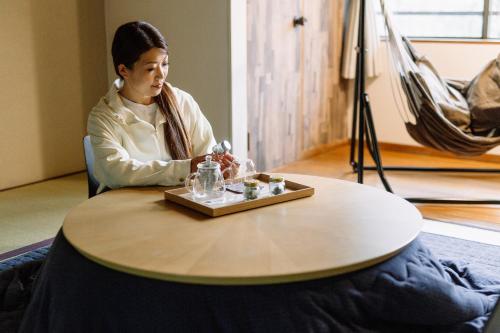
{"x":227,"y":163}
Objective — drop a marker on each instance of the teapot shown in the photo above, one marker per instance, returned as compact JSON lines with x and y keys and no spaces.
{"x":207,"y":182}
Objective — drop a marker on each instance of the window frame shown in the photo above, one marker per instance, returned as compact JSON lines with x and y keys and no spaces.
{"x":486,"y":18}
{"x":486,"y":13}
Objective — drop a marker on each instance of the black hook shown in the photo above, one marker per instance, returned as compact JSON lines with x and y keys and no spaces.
{"x":299,"y":20}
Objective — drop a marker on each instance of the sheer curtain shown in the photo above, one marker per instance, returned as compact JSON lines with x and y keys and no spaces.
{"x":372,"y":41}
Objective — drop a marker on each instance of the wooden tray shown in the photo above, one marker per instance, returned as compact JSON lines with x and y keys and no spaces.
{"x":292,"y":191}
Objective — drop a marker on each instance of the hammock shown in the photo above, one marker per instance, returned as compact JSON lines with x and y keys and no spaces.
{"x":436,"y":112}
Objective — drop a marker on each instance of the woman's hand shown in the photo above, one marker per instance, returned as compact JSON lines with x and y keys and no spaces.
{"x":228,"y":164}
{"x":195,"y":161}
{"x":225,"y":160}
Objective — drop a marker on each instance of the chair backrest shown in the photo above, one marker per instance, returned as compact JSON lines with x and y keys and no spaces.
{"x":89,"y":161}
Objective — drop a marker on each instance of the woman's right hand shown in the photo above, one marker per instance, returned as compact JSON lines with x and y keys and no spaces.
{"x":228,"y":164}
{"x":195,"y":161}
{"x":225,"y":162}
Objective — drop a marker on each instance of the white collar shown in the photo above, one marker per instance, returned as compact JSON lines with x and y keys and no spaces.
{"x":115,"y":104}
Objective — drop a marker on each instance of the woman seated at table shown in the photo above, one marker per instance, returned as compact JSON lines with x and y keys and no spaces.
{"x":145,"y":131}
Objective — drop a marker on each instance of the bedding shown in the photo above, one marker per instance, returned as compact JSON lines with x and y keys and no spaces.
{"x":411,"y":292}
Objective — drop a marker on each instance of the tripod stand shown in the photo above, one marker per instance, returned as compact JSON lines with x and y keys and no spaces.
{"x":363,"y":123}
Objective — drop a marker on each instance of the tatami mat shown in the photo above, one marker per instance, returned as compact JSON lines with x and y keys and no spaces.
{"x":33,"y":213}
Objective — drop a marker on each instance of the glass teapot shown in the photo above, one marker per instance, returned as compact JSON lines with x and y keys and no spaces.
{"x":207,"y":182}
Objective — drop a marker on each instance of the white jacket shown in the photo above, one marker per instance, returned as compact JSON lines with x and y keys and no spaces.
{"x":131,"y":152}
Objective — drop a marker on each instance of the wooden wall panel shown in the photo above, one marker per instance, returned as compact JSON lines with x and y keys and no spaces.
{"x":296,"y":101}
{"x":323,"y":107}
{"x":273,"y":85}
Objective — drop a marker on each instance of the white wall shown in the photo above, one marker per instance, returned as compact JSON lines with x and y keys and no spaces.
{"x":239,"y":124}
{"x":452,"y":60}
{"x":199,"y":38}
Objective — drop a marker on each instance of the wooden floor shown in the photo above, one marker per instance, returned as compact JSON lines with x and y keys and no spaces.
{"x":334,"y":163}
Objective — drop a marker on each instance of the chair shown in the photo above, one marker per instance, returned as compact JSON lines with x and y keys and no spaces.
{"x":93,"y":184}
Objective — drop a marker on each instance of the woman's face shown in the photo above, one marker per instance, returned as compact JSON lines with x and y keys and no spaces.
{"x":146,"y":77}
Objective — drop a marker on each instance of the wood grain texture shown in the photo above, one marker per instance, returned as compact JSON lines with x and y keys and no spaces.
{"x":296,"y":100}
{"x":323,"y":116}
{"x":420,"y":150}
{"x":343,"y":227}
{"x":334,"y":163}
{"x":273,"y":81}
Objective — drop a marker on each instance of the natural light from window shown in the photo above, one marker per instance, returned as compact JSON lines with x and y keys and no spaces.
{"x":494,"y":31}
{"x":444,"y":18}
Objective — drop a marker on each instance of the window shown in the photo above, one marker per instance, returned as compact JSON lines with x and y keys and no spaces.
{"x":445,"y":18}
{"x":494,"y":19}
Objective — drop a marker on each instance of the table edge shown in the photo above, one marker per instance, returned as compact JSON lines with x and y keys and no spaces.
{"x":254,"y":280}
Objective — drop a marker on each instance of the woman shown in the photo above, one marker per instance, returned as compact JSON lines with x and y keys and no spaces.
{"x":144,"y":131}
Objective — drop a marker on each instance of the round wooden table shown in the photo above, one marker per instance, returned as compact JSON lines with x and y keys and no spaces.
{"x":343,"y":227}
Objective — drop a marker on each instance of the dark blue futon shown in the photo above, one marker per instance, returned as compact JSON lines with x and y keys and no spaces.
{"x":412,"y":292}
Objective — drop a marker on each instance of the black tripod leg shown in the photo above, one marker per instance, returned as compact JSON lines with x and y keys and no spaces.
{"x":355,"y":116}
{"x":369,"y":145}
{"x":360,"y":75}
{"x":373,"y":143}
{"x":361,"y":141}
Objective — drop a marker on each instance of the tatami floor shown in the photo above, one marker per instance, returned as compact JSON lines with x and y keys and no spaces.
{"x":35,"y":212}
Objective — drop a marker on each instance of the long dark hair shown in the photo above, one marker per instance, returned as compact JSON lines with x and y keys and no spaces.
{"x":131,"y":40}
